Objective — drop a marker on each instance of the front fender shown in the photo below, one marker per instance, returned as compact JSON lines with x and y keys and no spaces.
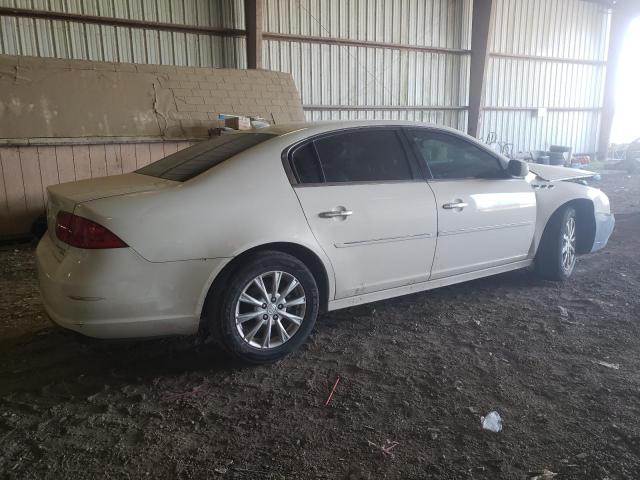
{"x":552,"y":196}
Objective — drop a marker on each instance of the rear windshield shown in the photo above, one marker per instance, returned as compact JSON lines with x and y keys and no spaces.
{"x":192,"y":161}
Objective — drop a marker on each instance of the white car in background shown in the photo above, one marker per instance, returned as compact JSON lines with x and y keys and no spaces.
{"x":248,"y":236}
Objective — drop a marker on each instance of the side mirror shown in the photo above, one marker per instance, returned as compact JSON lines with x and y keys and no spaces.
{"x":518,"y":168}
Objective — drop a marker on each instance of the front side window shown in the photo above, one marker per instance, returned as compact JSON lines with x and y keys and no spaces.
{"x":202,"y":156}
{"x":371,"y":155}
{"x":451,"y":158}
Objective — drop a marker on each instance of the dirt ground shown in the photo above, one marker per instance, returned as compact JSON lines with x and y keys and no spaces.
{"x":560,"y":363}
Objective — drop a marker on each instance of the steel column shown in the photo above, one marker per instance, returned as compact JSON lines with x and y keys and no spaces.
{"x":253,"y":25}
{"x":480,"y":30}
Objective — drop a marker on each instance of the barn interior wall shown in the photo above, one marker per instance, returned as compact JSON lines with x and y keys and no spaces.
{"x":40,"y":37}
{"x":405,"y":60}
{"x":546,"y":72}
{"x":349,"y":59}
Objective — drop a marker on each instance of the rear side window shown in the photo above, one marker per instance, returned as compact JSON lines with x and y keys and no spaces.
{"x":306,"y":165}
{"x":193,"y":161}
{"x":372,"y":155}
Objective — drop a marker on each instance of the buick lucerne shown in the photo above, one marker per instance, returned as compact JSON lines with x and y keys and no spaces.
{"x":249,"y":235}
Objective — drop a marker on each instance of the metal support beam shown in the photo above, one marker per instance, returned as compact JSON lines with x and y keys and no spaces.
{"x":347,"y":42}
{"x":386,"y":107}
{"x":480,"y":31}
{"x":253,"y":26}
{"x":119,"y":22}
{"x":539,"y":58}
{"x":623,"y":14}
{"x":487,"y":108}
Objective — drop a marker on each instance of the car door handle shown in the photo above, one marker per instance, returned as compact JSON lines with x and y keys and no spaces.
{"x":335,"y":213}
{"x":451,"y":206}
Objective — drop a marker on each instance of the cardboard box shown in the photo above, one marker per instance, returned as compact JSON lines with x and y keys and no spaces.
{"x":238,"y":123}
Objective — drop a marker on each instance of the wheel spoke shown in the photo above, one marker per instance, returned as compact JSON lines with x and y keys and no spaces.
{"x":295,"y":301}
{"x":276,"y":283}
{"x":245,"y":317}
{"x":249,"y":336}
{"x":260,"y":284}
{"x":266,"y":343}
{"x":294,"y":318}
{"x":283,"y":332}
{"x":294,"y":283}
{"x":571,"y":229}
{"x":246,"y":298}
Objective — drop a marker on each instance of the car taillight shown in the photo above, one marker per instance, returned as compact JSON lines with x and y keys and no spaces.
{"x":83,"y":233}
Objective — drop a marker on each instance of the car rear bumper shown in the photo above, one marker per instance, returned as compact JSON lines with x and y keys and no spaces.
{"x":115,"y":293}
{"x":605,"y":222}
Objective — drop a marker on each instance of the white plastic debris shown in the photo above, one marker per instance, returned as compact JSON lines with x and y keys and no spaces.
{"x":492,"y":422}
{"x":613,"y":366}
{"x":258,"y":122}
{"x":545,"y":475}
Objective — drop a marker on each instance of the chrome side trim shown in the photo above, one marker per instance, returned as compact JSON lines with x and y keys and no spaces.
{"x":483,"y":228}
{"x":359,"y":243}
{"x":367,"y":182}
{"x":85,"y":299}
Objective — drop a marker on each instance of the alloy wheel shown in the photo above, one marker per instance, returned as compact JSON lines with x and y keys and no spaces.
{"x":569,"y":244}
{"x":270,"y":309}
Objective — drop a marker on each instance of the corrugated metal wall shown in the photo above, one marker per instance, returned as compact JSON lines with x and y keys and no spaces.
{"x":74,"y":40}
{"x":393,"y":59}
{"x":400,"y":59}
{"x":546,"y":54}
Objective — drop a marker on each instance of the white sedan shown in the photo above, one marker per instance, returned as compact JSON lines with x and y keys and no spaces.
{"x":247,"y":236}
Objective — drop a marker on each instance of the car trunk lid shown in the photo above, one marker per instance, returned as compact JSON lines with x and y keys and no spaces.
{"x":66,"y":196}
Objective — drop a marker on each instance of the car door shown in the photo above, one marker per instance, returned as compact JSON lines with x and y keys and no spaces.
{"x":368,"y":206}
{"x":485,"y":217}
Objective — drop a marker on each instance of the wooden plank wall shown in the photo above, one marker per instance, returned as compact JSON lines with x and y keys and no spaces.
{"x":26,"y":171}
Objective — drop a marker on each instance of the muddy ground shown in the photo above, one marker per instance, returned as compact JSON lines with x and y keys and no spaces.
{"x":418,"y":370}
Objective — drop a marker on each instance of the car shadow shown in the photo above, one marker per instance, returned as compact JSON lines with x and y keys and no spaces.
{"x":50,"y":355}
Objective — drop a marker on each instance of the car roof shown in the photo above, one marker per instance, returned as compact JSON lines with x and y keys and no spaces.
{"x":289,"y":133}
{"x":312,"y":128}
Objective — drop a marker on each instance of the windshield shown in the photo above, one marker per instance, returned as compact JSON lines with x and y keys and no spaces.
{"x":193,"y":161}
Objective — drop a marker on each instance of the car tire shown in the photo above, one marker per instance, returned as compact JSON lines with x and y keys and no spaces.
{"x":556,"y":257}
{"x":229,"y":323}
